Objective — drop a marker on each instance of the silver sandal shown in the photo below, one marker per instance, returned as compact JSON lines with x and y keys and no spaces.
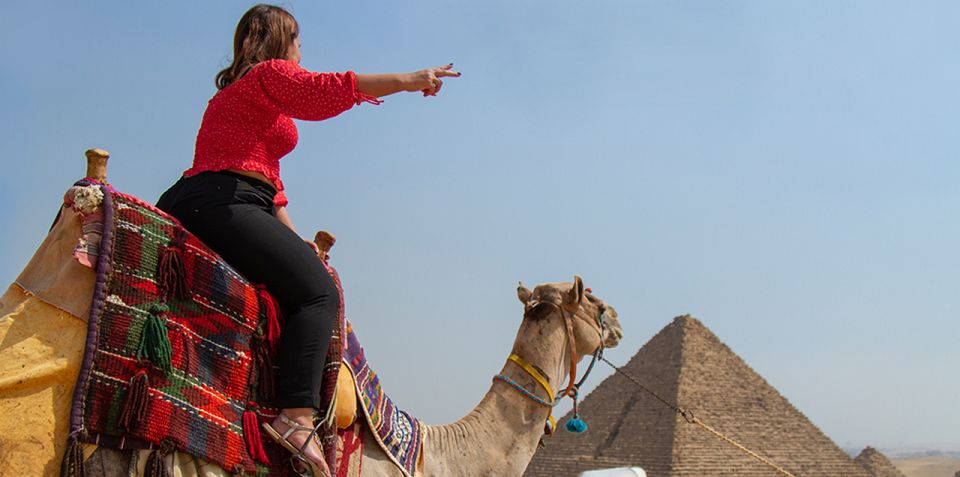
{"x":301,"y":464}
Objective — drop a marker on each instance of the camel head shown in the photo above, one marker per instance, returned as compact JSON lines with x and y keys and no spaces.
{"x":546,"y":305}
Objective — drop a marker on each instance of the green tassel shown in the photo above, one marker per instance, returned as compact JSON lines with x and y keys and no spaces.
{"x":154,"y":342}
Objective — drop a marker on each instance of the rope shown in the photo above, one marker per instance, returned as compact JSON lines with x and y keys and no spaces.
{"x":522,"y":390}
{"x":741,"y":447}
{"x":689,"y":417}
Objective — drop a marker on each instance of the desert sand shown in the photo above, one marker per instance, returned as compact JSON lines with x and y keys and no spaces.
{"x":934,"y":466}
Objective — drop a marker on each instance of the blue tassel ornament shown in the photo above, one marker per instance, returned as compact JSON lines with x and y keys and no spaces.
{"x":576,"y":425}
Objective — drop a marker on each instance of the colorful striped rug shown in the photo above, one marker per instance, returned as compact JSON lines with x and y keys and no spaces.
{"x":179,"y":348}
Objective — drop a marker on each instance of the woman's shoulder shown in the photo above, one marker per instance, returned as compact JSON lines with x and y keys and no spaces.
{"x":275,"y":66}
{"x":263,"y":73}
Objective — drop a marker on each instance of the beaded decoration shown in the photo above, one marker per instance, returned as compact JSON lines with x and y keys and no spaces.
{"x":522,"y":390}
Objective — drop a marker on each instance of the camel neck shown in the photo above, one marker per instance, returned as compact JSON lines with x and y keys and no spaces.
{"x":500,"y":435}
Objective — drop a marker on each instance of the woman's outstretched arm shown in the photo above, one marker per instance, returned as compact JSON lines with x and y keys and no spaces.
{"x":428,"y":81}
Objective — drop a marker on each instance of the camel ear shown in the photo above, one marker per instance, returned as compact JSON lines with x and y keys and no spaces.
{"x":523,"y":293}
{"x":573,"y":297}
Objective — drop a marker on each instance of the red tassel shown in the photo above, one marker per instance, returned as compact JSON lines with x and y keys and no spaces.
{"x":266,"y":387}
{"x":273,"y":317}
{"x":251,"y":435}
{"x":72,"y":464}
{"x":135,"y":406}
{"x":171,"y":273}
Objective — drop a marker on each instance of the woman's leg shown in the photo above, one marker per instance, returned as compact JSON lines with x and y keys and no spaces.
{"x":236,"y":221}
{"x":268,"y":252}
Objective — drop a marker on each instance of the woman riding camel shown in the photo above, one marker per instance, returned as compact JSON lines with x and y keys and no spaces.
{"x":233,"y":200}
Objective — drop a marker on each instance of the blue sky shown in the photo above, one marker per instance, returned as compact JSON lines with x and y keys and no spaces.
{"x":784,"y":171}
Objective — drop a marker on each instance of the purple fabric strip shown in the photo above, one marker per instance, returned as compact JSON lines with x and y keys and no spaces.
{"x":96,"y":308}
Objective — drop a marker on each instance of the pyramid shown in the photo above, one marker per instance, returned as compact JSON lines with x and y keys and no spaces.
{"x":877,"y":464}
{"x":686,"y":363}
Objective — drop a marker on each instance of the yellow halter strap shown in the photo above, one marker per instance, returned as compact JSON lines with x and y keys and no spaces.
{"x":534,"y":374}
{"x":538,"y":377}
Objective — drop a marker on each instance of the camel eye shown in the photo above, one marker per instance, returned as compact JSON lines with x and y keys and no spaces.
{"x":537,"y":312}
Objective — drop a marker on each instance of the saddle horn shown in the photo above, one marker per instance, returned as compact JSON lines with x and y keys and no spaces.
{"x":97,"y":164}
{"x":324,"y":241}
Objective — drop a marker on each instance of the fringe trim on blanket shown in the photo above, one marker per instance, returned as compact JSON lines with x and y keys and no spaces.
{"x":251,"y":434}
{"x":155,"y":465}
{"x":263,"y":361}
{"x":172,"y":273}
{"x":272,"y":311}
{"x":72,"y":464}
{"x":135,"y":405}
{"x":154,"y":341}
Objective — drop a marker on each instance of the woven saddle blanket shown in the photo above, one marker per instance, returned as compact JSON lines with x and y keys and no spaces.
{"x":399,"y":434}
{"x":179,"y":348}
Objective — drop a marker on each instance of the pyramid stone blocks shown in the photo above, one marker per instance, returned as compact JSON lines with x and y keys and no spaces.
{"x":686,"y":363}
{"x":877,"y":464}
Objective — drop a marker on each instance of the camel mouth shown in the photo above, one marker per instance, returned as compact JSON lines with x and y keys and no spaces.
{"x":612,"y":338}
{"x":613,"y":332}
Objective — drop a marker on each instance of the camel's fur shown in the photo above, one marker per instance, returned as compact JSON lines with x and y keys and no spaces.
{"x":497,"y":438}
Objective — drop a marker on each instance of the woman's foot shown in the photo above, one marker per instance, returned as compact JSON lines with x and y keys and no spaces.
{"x":302,"y":420}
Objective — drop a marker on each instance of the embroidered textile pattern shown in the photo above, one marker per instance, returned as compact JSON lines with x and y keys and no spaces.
{"x":400,"y":434}
{"x":329,"y":437}
{"x":176,"y":348}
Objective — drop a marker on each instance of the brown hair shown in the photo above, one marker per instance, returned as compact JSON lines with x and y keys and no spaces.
{"x":264,"y":33}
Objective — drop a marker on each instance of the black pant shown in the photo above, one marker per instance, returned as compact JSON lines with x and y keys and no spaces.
{"x":234,"y":215}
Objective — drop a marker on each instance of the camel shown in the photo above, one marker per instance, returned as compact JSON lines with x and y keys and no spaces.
{"x":42,"y":317}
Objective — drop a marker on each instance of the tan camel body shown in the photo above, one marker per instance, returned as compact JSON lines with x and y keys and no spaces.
{"x":497,"y":438}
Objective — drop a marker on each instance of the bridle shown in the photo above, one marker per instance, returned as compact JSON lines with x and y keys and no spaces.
{"x":575,"y":424}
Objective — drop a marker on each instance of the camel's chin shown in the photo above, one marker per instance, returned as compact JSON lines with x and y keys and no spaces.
{"x":612,"y":339}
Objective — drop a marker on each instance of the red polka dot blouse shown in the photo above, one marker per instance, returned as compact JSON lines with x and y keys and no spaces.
{"x":249,"y":124}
